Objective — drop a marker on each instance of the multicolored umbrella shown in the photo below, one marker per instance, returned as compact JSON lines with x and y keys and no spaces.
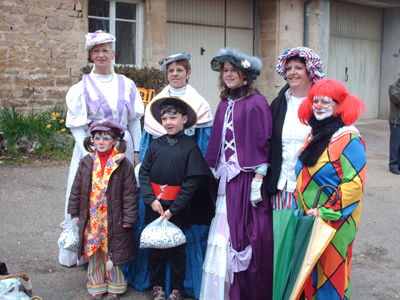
{"x":298,"y":244}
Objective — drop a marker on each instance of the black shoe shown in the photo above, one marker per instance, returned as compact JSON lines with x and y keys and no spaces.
{"x":395,"y":171}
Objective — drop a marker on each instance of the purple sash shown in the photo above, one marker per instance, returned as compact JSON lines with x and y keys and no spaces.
{"x":94,"y":105}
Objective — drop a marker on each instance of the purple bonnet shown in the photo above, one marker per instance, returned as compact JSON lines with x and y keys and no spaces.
{"x":106,"y":125}
{"x":98,"y":37}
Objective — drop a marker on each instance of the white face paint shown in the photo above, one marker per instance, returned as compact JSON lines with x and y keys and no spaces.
{"x":323,"y":107}
{"x":103,"y":141}
{"x":323,"y":113}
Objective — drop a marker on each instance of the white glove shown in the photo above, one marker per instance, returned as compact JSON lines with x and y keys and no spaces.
{"x":255,"y":194}
{"x":137,"y":168}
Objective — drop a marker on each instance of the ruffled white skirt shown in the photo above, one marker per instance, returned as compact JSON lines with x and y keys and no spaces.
{"x":215,"y":283}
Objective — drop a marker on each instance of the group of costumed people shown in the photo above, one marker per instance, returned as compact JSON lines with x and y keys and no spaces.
{"x":231,"y":171}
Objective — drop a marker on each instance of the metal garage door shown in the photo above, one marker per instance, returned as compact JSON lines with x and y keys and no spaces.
{"x":355,"y":51}
{"x":201,"y":28}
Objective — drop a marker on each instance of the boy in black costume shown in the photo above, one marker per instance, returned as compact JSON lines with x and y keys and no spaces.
{"x":177,"y":184}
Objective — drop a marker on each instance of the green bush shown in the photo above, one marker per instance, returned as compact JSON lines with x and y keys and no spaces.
{"x":15,"y":125}
{"x":56,"y":119}
{"x":46,"y":127}
{"x":148,"y":78}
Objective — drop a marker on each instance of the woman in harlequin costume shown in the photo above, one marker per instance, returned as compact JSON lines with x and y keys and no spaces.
{"x":301,"y":67}
{"x":334,"y":154}
{"x":178,"y":72}
{"x":239,"y":257}
{"x":102,"y":94}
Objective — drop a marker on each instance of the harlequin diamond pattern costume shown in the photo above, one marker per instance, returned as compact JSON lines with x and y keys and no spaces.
{"x":335,"y":155}
{"x":343,"y":166}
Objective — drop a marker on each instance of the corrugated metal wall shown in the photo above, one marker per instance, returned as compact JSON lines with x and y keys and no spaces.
{"x":239,"y":13}
{"x":355,"y":51}
{"x":191,"y":39}
{"x":196,"y":11}
{"x":196,"y":24}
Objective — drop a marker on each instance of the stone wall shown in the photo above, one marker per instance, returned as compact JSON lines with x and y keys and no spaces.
{"x":155,"y":32}
{"x":42,"y":44}
{"x":42,"y":50}
{"x":281,"y":28}
{"x":267,"y":46}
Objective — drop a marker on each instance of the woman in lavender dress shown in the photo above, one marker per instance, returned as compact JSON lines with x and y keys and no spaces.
{"x":102,"y":94}
{"x":239,"y":257}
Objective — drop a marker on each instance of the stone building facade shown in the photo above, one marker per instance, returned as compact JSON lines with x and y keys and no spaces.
{"x":42,"y":48}
{"x":42,"y":42}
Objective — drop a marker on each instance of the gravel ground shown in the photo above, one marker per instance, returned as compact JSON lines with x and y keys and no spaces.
{"x":32,"y":200}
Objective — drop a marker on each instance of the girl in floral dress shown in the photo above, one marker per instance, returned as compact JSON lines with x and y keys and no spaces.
{"x":104,"y":201}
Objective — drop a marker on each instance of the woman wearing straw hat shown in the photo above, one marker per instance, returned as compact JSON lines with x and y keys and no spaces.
{"x":301,"y":67}
{"x":102,"y":94}
{"x":333,"y":154}
{"x":239,"y":257}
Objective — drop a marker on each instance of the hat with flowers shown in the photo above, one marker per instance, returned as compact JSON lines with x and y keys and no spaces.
{"x":250,"y":65}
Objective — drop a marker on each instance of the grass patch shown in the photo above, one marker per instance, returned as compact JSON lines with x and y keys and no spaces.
{"x":36,"y":136}
{"x":62,"y":155}
{"x":48,"y":157}
{"x":16,"y":157}
{"x":15,"y":125}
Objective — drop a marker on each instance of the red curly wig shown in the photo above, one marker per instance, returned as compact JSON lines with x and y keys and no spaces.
{"x":349,"y":107}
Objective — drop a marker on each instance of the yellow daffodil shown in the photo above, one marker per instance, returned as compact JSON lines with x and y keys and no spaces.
{"x":54,"y":118}
{"x":57,"y":115}
{"x":53,"y":115}
{"x":61,"y":121}
{"x":35,"y":118}
{"x":58,"y":132}
{"x":48,"y":126}
{"x":62,"y":130}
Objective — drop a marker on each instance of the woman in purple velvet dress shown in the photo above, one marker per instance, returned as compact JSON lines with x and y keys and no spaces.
{"x":239,"y":257}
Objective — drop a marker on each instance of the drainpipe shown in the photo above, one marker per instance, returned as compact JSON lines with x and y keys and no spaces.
{"x":306,"y":21}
